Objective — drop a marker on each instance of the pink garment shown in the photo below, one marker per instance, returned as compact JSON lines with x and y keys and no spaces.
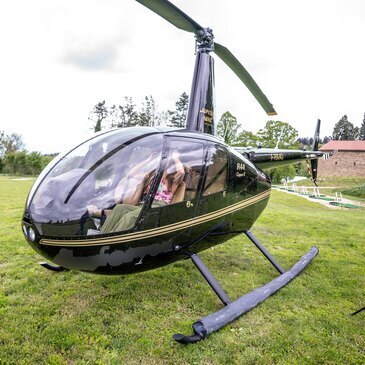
{"x":163,"y":193}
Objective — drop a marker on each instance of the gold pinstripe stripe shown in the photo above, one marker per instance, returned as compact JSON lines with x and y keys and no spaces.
{"x":160,"y":230}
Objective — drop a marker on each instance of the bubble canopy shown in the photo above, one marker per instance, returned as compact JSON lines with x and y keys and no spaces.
{"x":100,"y":172}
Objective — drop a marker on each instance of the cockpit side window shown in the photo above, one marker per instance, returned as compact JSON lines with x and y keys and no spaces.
{"x":216,"y":180}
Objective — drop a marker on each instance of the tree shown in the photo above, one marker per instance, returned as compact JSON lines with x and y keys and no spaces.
{"x":128,"y":115}
{"x":163,"y":118}
{"x":362,"y":130}
{"x":10,"y":143}
{"x":247,"y":139}
{"x":2,"y":146}
{"x":227,"y":128}
{"x":307,"y":142}
{"x":281,"y":135}
{"x":177,"y":117}
{"x":148,"y":116}
{"x":123,"y":115}
{"x":278,"y":133}
{"x":326,"y":139}
{"x":280,"y":173}
{"x":344,"y":130}
{"x":301,"y":169}
{"x":304,"y":141}
{"x":113,"y":118}
{"x":98,"y":114}
{"x":24,"y":163}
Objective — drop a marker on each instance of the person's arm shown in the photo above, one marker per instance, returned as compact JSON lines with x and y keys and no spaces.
{"x":97,"y":213}
{"x":138,"y":176}
{"x":180,"y":173}
{"x":136,"y":197}
{"x":141,"y":168}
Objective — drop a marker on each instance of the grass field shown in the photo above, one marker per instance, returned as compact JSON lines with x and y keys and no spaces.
{"x":78,"y":318}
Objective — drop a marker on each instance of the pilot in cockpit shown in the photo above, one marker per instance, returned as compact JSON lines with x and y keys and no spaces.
{"x":132,"y":189}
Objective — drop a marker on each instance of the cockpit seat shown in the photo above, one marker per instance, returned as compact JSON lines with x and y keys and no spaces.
{"x":179,"y":193}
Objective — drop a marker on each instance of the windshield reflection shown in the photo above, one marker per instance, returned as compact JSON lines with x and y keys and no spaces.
{"x":94,"y":177}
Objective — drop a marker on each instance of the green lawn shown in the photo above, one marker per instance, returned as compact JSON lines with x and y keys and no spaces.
{"x":78,"y":318}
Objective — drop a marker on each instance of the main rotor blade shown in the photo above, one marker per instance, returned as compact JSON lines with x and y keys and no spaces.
{"x":173,"y":15}
{"x":231,"y":61}
{"x":179,"y":19}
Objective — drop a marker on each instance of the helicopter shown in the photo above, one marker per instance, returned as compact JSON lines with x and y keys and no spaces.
{"x":134,"y":199}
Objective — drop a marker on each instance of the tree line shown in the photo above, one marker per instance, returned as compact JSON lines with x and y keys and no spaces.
{"x":275,"y":134}
{"x":15,"y":160}
{"x":128,"y":114}
{"x":345,"y":130}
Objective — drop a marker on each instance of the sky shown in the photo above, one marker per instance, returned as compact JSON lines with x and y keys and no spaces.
{"x":61,"y":57}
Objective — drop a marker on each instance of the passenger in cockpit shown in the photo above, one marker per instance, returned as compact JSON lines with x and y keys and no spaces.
{"x":170,"y":180}
{"x":129,"y":200}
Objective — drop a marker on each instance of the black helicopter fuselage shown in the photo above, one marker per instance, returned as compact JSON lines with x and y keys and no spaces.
{"x":222,"y":193}
{"x":227,"y":195}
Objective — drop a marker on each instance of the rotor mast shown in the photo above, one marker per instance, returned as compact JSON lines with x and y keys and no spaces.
{"x":201,"y":116}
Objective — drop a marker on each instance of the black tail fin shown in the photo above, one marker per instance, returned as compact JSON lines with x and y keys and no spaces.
{"x":314,"y":163}
{"x":316,"y":136}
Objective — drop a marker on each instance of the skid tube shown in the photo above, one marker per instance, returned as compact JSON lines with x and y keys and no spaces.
{"x":213,"y":322}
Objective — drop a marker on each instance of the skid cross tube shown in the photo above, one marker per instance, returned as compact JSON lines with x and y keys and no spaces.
{"x":212,"y":281}
{"x":208,"y":276}
{"x":213,"y":322}
{"x":264,"y":251}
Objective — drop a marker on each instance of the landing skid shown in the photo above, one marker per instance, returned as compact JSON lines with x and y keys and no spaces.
{"x":358,"y":311}
{"x":232,"y":310}
{"x":51,"y":267}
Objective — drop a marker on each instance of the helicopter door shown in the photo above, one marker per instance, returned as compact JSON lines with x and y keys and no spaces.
{"x":243,"y":187}
{"x":213,"y":196}
{"x":176,"y":189}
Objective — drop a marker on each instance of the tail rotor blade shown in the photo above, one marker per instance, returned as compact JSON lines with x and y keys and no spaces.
{"x":231,"y":61}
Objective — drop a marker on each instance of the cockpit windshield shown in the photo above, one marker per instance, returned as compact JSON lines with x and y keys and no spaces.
{"x":90,"y":180}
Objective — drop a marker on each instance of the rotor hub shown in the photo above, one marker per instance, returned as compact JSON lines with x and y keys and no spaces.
{"x":205,"y":40}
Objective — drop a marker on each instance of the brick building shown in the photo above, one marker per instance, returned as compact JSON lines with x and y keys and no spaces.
{"x":348,"y":161}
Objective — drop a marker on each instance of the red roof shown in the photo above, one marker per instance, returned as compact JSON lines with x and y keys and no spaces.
{"x":344,"y":146}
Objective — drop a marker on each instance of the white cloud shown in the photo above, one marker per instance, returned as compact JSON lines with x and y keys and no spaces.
{"x":95,"y":58}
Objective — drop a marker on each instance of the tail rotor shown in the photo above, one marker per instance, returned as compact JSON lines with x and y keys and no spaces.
{"x":314,"y":163}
